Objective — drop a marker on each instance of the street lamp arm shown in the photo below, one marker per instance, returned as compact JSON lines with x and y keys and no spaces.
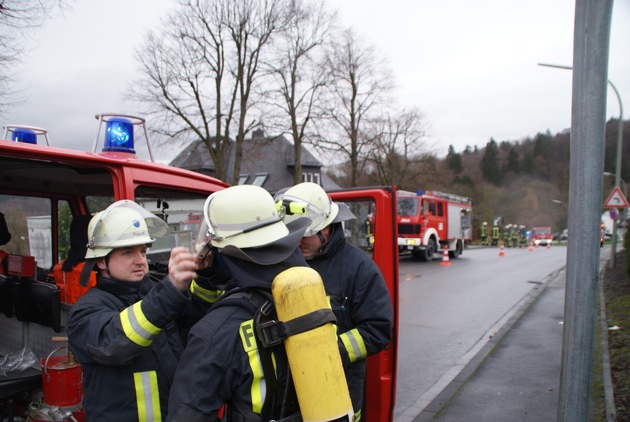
{"x":561,"y":66}
{"x":618,"y":99}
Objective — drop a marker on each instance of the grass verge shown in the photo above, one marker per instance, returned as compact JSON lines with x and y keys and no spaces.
{"x":617,"y":298}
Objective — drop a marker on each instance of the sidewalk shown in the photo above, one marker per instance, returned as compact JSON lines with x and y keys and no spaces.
{"x":516,"y":375}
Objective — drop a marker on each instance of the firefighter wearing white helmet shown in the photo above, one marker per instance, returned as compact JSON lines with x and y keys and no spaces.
{"x":356,"y":287}
{"x":228,"y":358}
{"x":127,"y":330}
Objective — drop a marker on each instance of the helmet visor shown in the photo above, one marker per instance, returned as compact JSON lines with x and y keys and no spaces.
{"x":155,"y":225}
{"x":209,"y":232}
{"x":292,"y":205}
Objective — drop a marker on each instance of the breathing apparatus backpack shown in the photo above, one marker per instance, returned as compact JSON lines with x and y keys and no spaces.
{"x":295,"y":326}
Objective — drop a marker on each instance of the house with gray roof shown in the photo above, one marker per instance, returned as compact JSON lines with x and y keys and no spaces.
{"x":267,"y":161}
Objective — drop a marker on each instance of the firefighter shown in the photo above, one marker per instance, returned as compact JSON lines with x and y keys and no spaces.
{"x":368,"y":231}
{"x":356,"y":287}
{"x":522,"y":239}
{"x":496,"y":234}
{"x":514,"y":236}
{"x":225,"y":360}
{"x":507,"y":234}
{"x":123,"y":331}
{"x":484,"y":233}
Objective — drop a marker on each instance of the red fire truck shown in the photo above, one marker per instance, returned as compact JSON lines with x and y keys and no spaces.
{"x":45,"y":188}
{"x":542,"y":236}
{"x":430,"y":221}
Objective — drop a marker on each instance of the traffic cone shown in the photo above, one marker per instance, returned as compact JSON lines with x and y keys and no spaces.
{"x":531,"y":246}
{"x":445,"y":261}
{"x":502,"y":251}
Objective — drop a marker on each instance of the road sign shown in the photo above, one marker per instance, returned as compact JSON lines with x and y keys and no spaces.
{"x":613,"y":212}
{"x":616,"y":199}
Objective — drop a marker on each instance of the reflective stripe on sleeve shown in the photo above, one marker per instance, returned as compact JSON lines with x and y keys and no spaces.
{"x":209,"y":296}
{"x":258,"y":387}
{"x":147,"y":396}
{"x":137,"y":327}
{"x":353,"y":342}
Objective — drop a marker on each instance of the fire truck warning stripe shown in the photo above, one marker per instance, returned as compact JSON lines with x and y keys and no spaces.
{"x":147,"y":396}
{"x":137,"y":327}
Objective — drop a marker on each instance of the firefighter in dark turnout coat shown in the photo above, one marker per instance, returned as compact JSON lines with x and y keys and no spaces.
{"x":355,"y":285}
{"x":125,"y":331}
{"x":221,"y":364}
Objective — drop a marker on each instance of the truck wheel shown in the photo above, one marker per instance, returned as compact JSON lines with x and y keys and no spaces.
{"x":429,"y":251}
{"x":457,"y":251}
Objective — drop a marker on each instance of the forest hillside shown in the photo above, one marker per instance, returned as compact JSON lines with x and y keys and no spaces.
{"x":522,"y":181}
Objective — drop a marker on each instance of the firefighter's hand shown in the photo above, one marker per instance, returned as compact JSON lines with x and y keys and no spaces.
{"x":181,"y":268}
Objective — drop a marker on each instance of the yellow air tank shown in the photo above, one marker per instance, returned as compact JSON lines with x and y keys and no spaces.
{"x":316,"y":366}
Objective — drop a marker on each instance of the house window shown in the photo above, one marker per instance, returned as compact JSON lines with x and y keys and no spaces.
{"x":260,"y":179}
{"x":311,"y":177}
{"x":242,"y":179}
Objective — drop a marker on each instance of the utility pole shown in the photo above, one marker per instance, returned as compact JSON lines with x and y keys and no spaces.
{"x":588,"y":122}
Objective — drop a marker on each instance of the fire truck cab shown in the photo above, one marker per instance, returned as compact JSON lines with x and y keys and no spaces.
{"x":429,"y":222}
{"x":542,"y":236}
{"x":45,"y":190}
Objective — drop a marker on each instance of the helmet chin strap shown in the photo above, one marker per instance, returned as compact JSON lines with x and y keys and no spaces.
{"x":323,"y":239}
{"x":107,"y":273}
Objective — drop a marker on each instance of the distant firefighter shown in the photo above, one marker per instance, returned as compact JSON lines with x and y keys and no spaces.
{"x":496,"y":234}
{"x":484,"y":233}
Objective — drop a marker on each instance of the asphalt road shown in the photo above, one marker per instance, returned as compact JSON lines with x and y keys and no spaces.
{"x":448,"y":313}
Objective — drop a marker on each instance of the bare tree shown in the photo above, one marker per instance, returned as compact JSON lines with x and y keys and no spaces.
{"x":200,"y":70}
{"x":361,"y":84}
{"x":184,"y":79}
{"x":18,"y":18}
{"x":298,"y":71}
{"x":251,"y":24}
{"x":398,"y":148}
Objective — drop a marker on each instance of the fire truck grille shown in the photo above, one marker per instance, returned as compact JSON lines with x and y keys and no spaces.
{"x":409,"y":229}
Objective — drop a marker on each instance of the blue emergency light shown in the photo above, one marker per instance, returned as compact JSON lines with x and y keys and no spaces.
{"x":25,"y":136}
{"x":119,"y":135}
{"x":419,"y":192}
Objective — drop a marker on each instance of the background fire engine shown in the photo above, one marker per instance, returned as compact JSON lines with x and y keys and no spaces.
{"x":542,"y":236}
{"x":430,"y":221}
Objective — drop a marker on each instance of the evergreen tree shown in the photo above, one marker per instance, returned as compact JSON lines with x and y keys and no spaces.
{"x":490,"y":163}
{"x":528,"y":163}
{"x":512,"y":161}
{"x":454,"y":160}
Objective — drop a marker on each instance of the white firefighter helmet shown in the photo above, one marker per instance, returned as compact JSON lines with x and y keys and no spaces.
{"x":122,"y":224}
{"x":245,"y":217}
{"x":317,"y":206}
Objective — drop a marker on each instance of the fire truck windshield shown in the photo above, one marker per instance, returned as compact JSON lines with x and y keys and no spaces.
{"x":407,"y":206}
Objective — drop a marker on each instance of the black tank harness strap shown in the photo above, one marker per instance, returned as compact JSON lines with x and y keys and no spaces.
{"x":273,"y":332}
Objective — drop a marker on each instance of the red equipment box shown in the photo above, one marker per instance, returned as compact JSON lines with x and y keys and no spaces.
{"x":21,"y":266}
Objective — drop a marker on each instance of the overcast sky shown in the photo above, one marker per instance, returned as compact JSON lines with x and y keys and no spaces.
{"x":469,"y":66}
